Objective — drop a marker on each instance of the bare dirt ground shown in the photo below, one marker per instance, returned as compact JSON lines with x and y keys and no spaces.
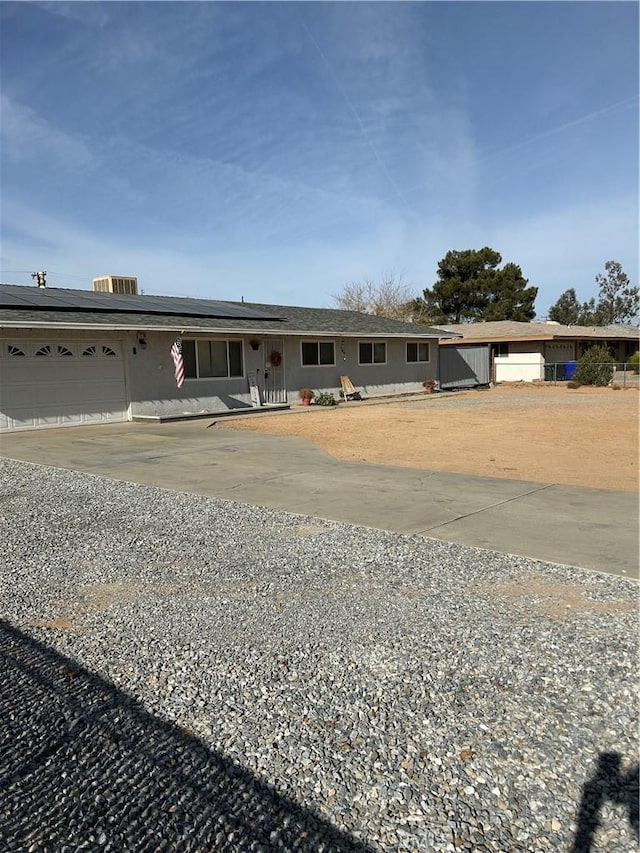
{"x":547,"y":434}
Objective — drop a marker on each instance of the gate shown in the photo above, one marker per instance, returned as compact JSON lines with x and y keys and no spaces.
{"x":464,"y":366}
{"x":273,"y":390}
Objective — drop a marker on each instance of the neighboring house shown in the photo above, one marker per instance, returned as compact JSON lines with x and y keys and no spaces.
{"x":78,"y":356}
{"x":532,"y":351}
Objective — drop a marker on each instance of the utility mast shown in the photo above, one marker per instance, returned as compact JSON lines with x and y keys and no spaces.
{"x":40,"y":277}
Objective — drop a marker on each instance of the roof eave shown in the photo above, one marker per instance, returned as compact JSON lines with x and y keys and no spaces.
{"x":181,"y":328}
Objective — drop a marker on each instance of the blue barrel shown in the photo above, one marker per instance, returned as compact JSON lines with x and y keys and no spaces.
{"x":572,"y":366}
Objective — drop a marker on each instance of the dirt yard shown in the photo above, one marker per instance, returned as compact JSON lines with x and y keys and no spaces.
{"x":547,"y":434}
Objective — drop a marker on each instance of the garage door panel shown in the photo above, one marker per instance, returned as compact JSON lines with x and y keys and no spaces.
{"x":61,"y":389}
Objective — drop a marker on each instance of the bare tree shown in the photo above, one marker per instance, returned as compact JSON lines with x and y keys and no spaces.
{"x":390,"y":297}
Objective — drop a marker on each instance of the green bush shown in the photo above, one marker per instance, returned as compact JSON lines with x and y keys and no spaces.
{"x":325,"y":398}
{"x":596,"y":367}
{"x":634,"y":361}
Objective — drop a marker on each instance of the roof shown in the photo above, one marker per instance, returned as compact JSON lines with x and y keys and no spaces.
{"x":68,"y":299}
{"x":80,"y":309}
{"x":328,"y":321}
{"x":511,"y":330}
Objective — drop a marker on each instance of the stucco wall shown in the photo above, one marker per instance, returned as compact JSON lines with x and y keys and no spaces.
{"x":394,"y":377}
{"x":150,"y":380}
{"x":519,"y":367}
{"x":153,"y":389}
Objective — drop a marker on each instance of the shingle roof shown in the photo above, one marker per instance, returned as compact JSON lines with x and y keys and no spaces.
{"x":284,"y":320}
{"x":510,"y":330}
{"x":333,"y":320}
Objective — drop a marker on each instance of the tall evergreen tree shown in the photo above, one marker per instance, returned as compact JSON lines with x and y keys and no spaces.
{"x":569,"y":311}
{"x":509,"y":297}
{"x":618,"y":302}
{"x":470,"y":287}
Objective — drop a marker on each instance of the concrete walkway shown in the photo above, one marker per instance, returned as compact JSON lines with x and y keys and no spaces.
{"x":591,"y":528}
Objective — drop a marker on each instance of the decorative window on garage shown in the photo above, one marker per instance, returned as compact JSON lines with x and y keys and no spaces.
{"x":64,"y":351}
{"x":318,"y":352}
{"x":13,"y":350}
{"x":417,"y":352}
{"x":89,"y":351}
{"x":217,"y":359}
{"x":45,"y":350}
{"x":108,"y":351}
{"x":372,"y":352}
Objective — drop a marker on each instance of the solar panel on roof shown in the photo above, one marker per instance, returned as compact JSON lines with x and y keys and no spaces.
{"x":62,"y":299}
{"x":15,"y":300}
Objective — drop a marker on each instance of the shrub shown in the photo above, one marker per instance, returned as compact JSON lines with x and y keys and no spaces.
{"x":634,"y":361}
{"x":595,"y":367}
{"x":573,"y":384}
{"x":306,"y":394}
{"x":325,"y":398}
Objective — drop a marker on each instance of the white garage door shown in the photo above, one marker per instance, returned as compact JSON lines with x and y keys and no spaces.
{"x":51,"y":384}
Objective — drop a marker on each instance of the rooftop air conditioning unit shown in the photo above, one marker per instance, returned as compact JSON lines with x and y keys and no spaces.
{"x":116,"y":284}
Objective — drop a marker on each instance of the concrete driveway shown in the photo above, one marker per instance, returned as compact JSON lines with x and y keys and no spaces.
{"x":591,"y":528}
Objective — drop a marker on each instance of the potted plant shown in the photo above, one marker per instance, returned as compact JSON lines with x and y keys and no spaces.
{"x":306,"y":395}
{"x":429,"y":386}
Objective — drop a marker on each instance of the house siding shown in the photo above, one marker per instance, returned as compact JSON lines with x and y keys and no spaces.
{"x":153,"y":390}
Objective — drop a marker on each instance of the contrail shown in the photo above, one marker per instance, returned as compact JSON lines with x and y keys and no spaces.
{"x":544,"y":135}
{"x":560,"y":128}
{"x":349,"y":103}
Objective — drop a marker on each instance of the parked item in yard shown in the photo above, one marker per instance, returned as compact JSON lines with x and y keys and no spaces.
{"x":348,"y":389}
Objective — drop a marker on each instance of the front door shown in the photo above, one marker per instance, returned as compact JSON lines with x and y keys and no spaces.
{"x":274,"y":388}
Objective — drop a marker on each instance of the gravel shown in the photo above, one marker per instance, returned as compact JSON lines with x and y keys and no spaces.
{"x":184,"y":673}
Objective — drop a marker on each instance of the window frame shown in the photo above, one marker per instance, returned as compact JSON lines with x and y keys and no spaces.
{"x":226,"y":341}
{"x":317,"y":343}
{"x":372,"y":342}
{"x":417,"y":344}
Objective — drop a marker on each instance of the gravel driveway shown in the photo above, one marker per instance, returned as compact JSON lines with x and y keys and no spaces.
{"x":182,"y":673}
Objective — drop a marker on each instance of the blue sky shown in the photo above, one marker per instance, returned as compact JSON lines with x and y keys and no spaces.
{"x":276,"y":151}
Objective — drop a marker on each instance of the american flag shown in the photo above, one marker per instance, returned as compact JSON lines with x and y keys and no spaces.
{"x":176,"y":355}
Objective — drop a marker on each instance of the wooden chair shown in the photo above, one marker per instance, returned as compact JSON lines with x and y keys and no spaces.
{"x":349,"y":390}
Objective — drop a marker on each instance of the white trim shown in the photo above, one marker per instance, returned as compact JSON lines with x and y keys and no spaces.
{"x":228,"y":377}
{"x":319,"y":364}
{"x":207,"y":330}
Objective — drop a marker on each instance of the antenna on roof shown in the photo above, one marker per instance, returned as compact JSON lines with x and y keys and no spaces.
{"x":242,"y":299}
{"x":40,"y":277}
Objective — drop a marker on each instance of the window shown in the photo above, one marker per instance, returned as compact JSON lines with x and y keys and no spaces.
{"x":89,"y":351}
{"x":62,"y":350}
{"x":108,"y":351}
{"x":212,"y":359}
{"x":500,"y":349}
{"x":317,"y":352}
{"x":45,"y":350}
{"x":417,"y":352}
{"x":372,"y":352}
{"x":13,"y":350}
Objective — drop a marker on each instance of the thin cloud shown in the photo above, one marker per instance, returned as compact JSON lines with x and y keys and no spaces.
{"x":28,"y":135}
{"x":561,"y":128}
{"x":356,"y":115}
{"x":93,"y":14}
